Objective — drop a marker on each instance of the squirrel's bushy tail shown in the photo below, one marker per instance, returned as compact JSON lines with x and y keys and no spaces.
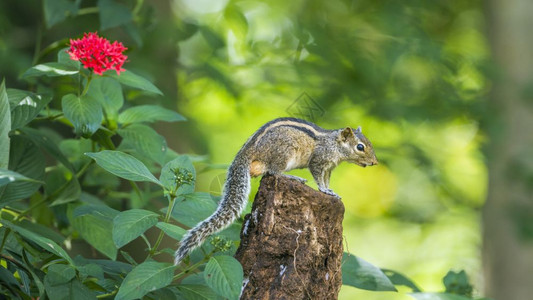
{"x":234,"y":199}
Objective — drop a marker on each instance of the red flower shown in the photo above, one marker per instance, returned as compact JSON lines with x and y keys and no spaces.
{"x":97,"y":53}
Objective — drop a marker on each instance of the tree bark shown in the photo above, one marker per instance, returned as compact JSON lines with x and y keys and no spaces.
{"x":291,"y":243}
{"x":508,"y":212}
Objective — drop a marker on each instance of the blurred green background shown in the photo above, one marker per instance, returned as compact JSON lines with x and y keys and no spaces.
{"x":410,"y":75}
{"x":413,"y":74}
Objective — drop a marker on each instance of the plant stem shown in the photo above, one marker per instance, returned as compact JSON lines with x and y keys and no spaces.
{"x":37,"y":46}
{"x":137,"y":7}
{"x":53,"y":117}
{"x":54,"y":194}
{"x":38,"y":203}
{"x":196,"y":265}
{"x":107,"y":295}
{"x":136,"y":189}
{"x":6,"y":234}
{"x":50,"y":48}
{"x":146,"y":241}
{"x":84,"y":168}
{"x":167,"y":218}
{"x":14,"y":261}
{"x":87,"y":85}
{"x":42,"y":201}
{"x":88,"y":10}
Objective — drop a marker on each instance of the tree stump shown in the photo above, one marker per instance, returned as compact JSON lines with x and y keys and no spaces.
{"x":291,"y":242}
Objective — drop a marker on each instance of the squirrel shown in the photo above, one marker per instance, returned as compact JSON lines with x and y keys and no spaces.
{"x":278,"y":146}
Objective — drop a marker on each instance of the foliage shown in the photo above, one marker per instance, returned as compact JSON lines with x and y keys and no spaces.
{"x":361,"y":274}
{"x":80,"y":162}
{"x":32,"y":258}
{"x":457,"y":283}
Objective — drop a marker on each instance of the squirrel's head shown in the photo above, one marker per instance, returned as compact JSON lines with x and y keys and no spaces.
{"x":356,"y":147}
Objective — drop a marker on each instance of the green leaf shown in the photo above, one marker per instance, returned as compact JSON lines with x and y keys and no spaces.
{"x":98,"y":177}
{"x":400,"y":279}
{"x":25,"y":280}
{"x":15,"y":96}
{"x":145,"y":278}
{"x":79,"y":291}
{"x":26,"y":109}
{"x":90,"y":270}
{"x":58,"y":274}
{"x":457,"y":283}
{"x":27,"y":160}
{"x":71,"y":192}
{"x":172,"y":231}
{"x":5,"y":126}
{"x":103,"y":137}
{"x":7,"y":176}
{"x":108,"y":92}
{"x":75,"y":150}
{"x":183,"y":166}
{"x":108,"y":266}
{"x":185,"y":30}
{"x":128,"y":257}
{"x":196,"y":278}
{"x":95,"y":224}
{"x":72,"y":289}
{"x":236,"y":21}
{"x":361,"y":274}
{"x":46,"y":143}
{"x":193,"y":208}
{"x":232,"y":232}
{"x":113,"y":14}
{"x":133,"y":31}
{"x":64,"y":58}
{"x":212,"y":38}
{"x":34,"y":273}
{"x":57,"y":180}
{"x":55,"y":11}
{"x":168,"y":292}
{"x":148,"y":113}
{"x":8,"y":277}
{"x":84,"y":112}
{"x":51,"y":69}
{"x":224,"y":275}
{"x":437,"y":296}
{"x":135,"y":81}
{"x":130,"y":224}
{"x":196,"y":292}
{"x":123,"y":165}
{"x":42,"y":230}
{"x":145,"y":141}
{"x":43,"y":242}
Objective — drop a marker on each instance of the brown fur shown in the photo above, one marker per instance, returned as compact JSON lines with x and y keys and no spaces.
{"x":257,"y":168}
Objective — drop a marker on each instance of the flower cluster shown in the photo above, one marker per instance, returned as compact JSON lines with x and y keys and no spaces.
{"x":182,"y":176}
{"x":97,"y":53}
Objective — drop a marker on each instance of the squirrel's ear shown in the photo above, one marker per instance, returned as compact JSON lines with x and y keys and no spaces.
{"x":358,"y":130}
{"x":346,"y":133}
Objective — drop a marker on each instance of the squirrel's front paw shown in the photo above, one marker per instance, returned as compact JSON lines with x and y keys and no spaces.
{"x":329,"y":192}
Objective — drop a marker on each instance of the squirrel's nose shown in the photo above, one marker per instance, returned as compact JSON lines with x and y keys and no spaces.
{"x":374,"y":162}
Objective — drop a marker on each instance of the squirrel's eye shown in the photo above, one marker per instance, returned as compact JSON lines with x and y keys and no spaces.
{"x":360,"y":147}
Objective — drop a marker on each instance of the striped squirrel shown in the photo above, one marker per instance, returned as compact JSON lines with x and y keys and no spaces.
{"x":280,"y":145}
